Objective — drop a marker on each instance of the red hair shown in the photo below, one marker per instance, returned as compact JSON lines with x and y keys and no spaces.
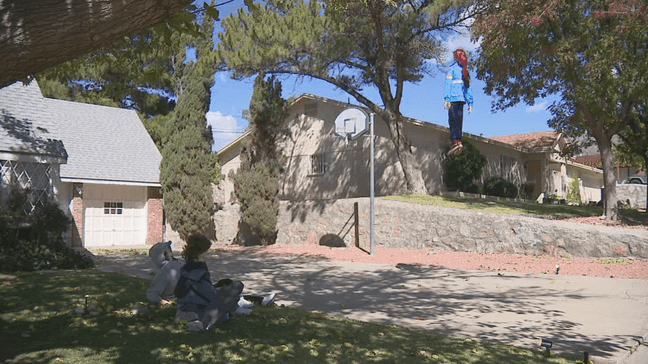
{"x":461,"y":57}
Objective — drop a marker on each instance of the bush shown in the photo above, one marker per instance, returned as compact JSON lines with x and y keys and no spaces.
{"x":574,"y":192}
{"x":462,"y":170}
{"x":35,"y":241}
{"x":474,"y":189}
{"x":500,"y":187}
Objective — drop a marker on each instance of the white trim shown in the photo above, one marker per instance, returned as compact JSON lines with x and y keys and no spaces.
{"x":106,"y":182}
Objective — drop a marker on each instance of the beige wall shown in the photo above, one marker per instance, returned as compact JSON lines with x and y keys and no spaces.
{"x":312,"y":131}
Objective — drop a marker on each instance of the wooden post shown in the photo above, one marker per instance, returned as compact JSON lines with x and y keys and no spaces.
{"x":357,"y":224}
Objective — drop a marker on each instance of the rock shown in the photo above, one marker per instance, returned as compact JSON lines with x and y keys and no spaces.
{"x":194,"y":326}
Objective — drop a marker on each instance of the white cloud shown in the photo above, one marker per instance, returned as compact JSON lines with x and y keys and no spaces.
{"x":225,"y":128}
{"x":537,"y":107}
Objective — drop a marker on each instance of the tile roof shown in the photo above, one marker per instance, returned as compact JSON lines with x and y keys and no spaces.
{"x":25,"y":126}
{"x":593,"y":160}
{"x":540,"y":140}
{"x":105,"y":143}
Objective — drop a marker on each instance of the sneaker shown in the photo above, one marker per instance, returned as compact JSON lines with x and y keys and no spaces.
{"x":456,"y":149}
{"x":245,"y":303}
{"x":268,"y":300}
{"x":243,"y":311}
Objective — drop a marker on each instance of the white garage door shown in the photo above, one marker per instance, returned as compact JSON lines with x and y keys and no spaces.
{"x":114,"y":215}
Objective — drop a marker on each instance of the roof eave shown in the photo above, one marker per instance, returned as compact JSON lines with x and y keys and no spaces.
{"x":110,"y":182}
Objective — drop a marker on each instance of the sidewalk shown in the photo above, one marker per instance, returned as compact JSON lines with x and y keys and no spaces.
{"x":603,"y":316}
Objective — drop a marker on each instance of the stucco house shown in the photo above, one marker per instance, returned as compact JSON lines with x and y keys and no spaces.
{"x":98,"y":162}
{"x":318,"y":164}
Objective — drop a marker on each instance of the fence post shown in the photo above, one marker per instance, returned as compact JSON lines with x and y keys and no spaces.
{"x":357,"y":225}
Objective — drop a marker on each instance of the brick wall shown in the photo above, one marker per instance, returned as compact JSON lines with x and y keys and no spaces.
{"x":154,"y":216}
{"x":78,"y":207}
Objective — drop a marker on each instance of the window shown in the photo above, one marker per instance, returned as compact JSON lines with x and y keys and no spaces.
{"x":112,"y":208}
{"x":318,"y":163}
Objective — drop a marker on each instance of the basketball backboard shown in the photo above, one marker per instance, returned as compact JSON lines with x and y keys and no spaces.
{"x":351,"y":123}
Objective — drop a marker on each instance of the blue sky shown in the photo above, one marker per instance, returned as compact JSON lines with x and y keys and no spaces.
{"x":422,"y":101}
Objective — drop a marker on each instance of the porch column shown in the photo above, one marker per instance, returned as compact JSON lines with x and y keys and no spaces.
{"x":154,"y":216}
{"x":78,"y":214}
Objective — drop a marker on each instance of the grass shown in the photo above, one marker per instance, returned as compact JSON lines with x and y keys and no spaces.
{"x":511,"y":207}
{"x":37,"y":328}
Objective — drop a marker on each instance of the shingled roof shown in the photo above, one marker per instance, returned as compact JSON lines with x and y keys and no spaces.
{"x":25,"y":126}
{"x":534,"y":141}
{"x":104,"y":144}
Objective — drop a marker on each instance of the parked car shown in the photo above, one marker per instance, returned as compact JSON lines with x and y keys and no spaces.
{"x":637,"y":179}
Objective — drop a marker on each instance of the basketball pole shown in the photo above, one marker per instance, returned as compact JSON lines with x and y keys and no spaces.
{"x":372,"y":216}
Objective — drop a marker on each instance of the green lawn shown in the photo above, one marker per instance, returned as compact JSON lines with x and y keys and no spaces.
{"x":36,"y":328}
{"x":510,"y":207}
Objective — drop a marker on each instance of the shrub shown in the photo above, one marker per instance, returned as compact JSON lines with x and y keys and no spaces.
{"x":500,"y":187}
{"x":574,"y":192}
{"x":462,"y":170}
{"x":34,"y":241}
{"x":474,"y":189}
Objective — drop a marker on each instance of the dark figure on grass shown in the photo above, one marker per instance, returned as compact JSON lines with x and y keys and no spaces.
{"x":197,"y":296}
{"x":457,"y":93}
{"x":163,"y":285}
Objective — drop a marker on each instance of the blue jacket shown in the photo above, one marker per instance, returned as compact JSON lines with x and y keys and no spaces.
{"x":455,"y":89}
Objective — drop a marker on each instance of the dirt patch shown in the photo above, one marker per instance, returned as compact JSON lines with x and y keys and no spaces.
{"x":614,"y":268}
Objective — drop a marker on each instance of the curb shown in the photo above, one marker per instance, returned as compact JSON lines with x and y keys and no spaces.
{"x":639,"y":356}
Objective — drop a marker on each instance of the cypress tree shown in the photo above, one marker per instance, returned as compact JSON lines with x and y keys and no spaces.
{"x":188,"y":166}
{"x":256,"y":183}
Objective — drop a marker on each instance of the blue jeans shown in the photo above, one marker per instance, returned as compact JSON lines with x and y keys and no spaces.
{"x":455,"y":120}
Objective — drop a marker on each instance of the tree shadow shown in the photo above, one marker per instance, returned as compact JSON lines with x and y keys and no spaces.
{"x":28,"y":138}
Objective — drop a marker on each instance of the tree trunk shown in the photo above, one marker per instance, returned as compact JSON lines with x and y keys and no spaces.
{"x":609,"y":178}
{"x":407,"y":159}
{"x":35,"y":35}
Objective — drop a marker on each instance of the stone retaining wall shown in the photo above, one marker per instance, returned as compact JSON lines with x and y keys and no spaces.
{"x":414,"y":226}
{"x":636,"y":194}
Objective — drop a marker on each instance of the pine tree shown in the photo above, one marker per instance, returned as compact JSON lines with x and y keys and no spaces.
{"x":188,"y":166}
{"x":256,"y":183}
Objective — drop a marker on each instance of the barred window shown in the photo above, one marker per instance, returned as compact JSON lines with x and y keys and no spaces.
{"x":318,"y":163}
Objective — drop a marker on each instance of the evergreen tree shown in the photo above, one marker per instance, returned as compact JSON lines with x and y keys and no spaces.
{"x":188,"y":166}
{"x":256,"y":183}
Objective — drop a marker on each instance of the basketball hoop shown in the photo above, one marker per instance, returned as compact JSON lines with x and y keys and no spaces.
{"x":351,"y":123}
